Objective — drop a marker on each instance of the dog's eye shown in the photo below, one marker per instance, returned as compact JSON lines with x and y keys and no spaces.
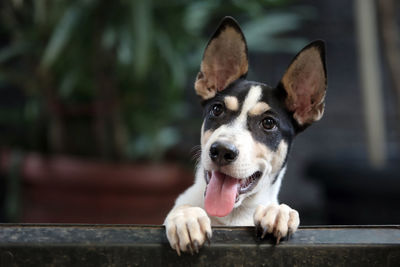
{"x":217,"y":109}
{"x":268,"y":123}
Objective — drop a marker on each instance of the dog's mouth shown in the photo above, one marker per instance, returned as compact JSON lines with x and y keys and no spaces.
{"x":243,"y":185}
{"x":222,"y":191}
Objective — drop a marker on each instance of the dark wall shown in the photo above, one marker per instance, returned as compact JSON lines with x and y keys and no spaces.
{"x":340,"y":136}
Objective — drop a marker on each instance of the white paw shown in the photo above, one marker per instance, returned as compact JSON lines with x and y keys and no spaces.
{"x":279,"y":220}
{"x":187,"y":228}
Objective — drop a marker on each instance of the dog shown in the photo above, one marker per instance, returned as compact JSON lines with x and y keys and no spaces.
{"x":246,"y":136}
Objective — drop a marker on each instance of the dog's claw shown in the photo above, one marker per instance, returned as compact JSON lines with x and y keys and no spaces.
{"x":265,"y":231}
{"x":258,"y":230}
{"x":178,"y":251}
{"x":196,"y":246}
{"x":189,"y":248}
{"x":208,"y":238}
{"x":278,"y":238}
{"x":289,"y":236}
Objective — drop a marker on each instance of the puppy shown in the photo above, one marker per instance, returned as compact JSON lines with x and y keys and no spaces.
{"x":246,"y":136}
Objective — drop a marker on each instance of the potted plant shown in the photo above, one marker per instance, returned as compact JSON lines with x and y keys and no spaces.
{"x":100,"y":94}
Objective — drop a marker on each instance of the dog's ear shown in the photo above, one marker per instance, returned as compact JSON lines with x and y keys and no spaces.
{"x":305,"y":84}
{"x":224,"y":60}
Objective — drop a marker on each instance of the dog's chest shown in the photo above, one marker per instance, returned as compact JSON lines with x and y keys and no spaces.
{"x":236,"y":218}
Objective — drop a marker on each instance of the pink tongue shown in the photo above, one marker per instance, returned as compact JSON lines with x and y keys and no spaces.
{"x":220,"y":194}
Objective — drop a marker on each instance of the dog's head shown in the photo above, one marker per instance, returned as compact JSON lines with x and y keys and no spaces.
{"x":249,"y":126}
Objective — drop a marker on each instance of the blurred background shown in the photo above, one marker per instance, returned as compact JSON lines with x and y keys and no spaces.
{"x":99,"y":122}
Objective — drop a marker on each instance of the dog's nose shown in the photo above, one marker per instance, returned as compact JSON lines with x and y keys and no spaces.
{"x":223,"y":153}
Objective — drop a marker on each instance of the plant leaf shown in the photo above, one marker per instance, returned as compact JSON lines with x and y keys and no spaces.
{"x":14,"y":50}
{"x":61,"y":35}
{"x":172,"y":58}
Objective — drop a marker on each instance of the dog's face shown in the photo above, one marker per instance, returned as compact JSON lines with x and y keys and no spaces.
{"x":246,"y":135}
{"x":248,"y":126}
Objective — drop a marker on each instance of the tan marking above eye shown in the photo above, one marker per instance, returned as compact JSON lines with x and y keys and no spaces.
{"x":231,"y":103}
{"x":259,"y":109}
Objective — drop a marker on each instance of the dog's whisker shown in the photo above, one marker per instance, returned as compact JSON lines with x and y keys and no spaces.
{"x":196,"y":158}
{"x":195,"y":149}
{"x":196,"y":153}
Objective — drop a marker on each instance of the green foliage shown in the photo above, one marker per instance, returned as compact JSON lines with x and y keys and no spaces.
{"x":120,"y":65}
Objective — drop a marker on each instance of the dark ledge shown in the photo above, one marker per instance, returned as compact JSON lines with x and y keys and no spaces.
{"x":137,"y":245}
